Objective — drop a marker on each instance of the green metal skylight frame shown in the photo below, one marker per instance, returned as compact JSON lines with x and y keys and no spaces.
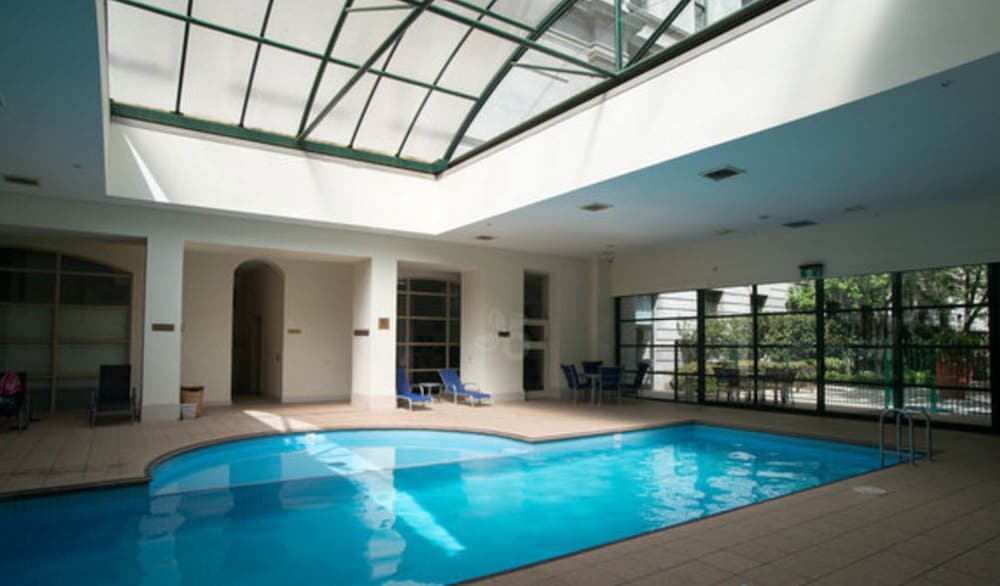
{"x":536,"y":56}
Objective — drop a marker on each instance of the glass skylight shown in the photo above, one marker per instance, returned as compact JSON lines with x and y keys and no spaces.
{"x":417,"y":84}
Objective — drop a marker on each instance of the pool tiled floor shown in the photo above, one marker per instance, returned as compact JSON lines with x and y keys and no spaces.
{"x":937,"y":523}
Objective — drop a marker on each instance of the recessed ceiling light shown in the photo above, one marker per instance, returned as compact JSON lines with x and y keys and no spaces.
{"x":722,"y":173}
{"x":854,"y":208}
{"x":22,"y":180}
{"x":724,"y":231}
{"x":596,"y":207}
{"x":799,"y":224}
{"x":485,"y":237}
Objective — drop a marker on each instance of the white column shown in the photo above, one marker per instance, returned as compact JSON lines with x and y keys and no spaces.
{"x":373,"y":364}
{"x":493,"y":304}
{"x":161,"y":333}
{"x":602,"y":312}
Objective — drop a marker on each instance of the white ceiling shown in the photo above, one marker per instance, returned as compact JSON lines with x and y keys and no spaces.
{"x":905,"y":148}
{"x":51,"y":123}
{"x":908,"y":147}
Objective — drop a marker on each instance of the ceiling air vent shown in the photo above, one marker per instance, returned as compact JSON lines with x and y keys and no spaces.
{"x":485,"y":237}
{"x":595,"y":207}
{"x":722,"y":173}
{"x":799,"y":224}
{"x":22,"y":180}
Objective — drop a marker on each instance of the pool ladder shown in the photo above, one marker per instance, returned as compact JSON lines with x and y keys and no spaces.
{"x":904,"y":414}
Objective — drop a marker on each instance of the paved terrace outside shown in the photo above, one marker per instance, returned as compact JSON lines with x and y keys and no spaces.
{"x":938,"y":523}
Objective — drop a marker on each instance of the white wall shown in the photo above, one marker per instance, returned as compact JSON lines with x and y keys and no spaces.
{"x":277,"y":241}
{"x":315,"y":363}
{"x":946,"y":235}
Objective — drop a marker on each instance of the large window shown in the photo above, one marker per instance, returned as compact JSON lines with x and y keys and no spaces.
{"x":786,"y":344}
{"x":661,"y":330}
{"x":61,"y":317}
{"x":854,"y":344}
{"x":858,"y":354}
{"x":428,"y":327}
{"x":945,"y":341}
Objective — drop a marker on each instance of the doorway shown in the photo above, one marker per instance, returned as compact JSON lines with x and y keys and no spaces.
{"x":258,"y":327}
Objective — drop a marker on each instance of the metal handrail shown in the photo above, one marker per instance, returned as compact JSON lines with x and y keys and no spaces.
{"x":881,"y":434}
{"x":927,"y":429}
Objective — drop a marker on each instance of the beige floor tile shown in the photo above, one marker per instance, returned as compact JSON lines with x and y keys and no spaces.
{"x":729,"y":561}
{"x":694,"y":573}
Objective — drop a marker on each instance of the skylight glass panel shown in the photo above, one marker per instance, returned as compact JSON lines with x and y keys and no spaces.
{"x":144,"y":55}
{"x":459,"y":46}
{"x":304,"y":23}
{"x":436,"y":126}
{"x":338,"y":126}
{"x":585,"y":31}
{"x":523,"y":93}
{"x":426,"y":46}
{"x":215,"y":75}
{"x":246,"y":16}
{"x":476,"y":64}
{"x":392,"y":107}
{"x":364,"y":31}
{"x":530,"y":12}
{"x":280,"y":90}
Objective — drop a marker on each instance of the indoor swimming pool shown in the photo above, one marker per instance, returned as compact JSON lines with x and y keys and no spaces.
{"x":395,"y":506}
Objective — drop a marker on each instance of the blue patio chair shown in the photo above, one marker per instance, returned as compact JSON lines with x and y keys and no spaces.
{"x":454,"y":386}
{"x":634,"y":388}
{"x":403,"y":392}
{"x":573,"y":381}
{"x":610,"y":381}
{"x":592,"y":376}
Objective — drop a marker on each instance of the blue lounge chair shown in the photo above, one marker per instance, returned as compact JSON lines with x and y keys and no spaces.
{"x":455,"y":386}
{"x":403,"y":392}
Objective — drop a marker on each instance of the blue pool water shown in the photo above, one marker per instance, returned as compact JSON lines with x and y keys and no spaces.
{"x":395,"y":507}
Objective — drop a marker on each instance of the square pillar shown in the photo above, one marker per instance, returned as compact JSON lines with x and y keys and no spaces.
{"x":492,"y":306}
{"x":373,"y":364}
{"x":161,"y":337}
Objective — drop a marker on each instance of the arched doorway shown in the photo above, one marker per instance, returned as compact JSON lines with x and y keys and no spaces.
{"x":258,"y":326}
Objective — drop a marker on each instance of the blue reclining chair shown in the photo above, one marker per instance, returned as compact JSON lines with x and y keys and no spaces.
{"x":455,"y":386}
{"x":403,"y":392}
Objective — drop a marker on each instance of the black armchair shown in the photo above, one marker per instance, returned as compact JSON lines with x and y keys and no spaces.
{"x":114,"y":392}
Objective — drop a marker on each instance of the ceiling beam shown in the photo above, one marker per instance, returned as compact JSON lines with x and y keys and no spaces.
{"x":523,"y":42}
{"x":337,"y":28}
{"x":253,"y":66}
{"x":289,"y":48}
{"x":550,"y":19}
{"x":658,"y":31}
{"x":365,"y":67}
